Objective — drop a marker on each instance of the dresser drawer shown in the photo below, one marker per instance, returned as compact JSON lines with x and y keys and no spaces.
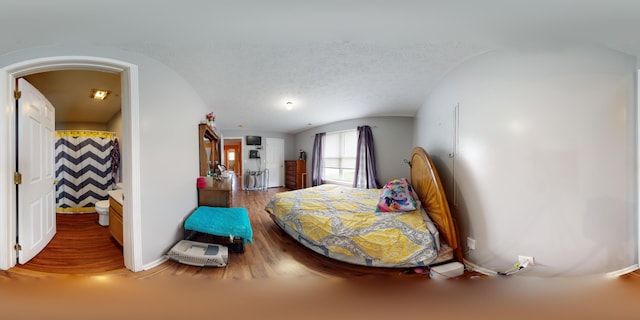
{"x":291,"y":183}
{"x":214,"y":198}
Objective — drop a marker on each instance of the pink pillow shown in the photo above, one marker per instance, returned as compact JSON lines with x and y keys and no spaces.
{"x":396,"y":195}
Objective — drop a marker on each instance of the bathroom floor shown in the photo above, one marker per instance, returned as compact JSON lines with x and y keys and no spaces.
{"x":80,"y":245}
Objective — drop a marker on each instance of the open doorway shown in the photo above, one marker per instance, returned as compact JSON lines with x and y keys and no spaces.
{"x":132,"y":249}
{"x":87,"y":134}
{"x":233,"y":155}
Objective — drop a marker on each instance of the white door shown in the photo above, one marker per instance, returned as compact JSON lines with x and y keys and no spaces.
{"x":275,"y":162}
{"x":36,"y":194}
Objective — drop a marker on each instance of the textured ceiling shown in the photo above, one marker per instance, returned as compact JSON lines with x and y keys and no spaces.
{"x":335,"y":60}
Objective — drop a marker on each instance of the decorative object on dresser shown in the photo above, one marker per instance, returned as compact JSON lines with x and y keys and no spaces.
{"x":295,"y":174}
{"x":211,"y":121}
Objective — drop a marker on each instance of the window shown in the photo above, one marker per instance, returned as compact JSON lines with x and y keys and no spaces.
{"x":340,"y":156}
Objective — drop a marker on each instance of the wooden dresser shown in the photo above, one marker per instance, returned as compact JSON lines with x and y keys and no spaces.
{"x":216,"y":193}
{"x":295,"y":174}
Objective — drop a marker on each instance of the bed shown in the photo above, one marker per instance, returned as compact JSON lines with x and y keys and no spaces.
{"x":343,"y":223}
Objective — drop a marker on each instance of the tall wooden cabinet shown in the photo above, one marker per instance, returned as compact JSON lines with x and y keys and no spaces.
{"x":295,"y":174}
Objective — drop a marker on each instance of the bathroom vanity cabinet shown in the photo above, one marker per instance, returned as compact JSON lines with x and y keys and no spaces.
{"x":115,"y":220}
{"x":216,"y":193}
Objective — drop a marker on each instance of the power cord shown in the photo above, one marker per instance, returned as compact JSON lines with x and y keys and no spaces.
{"x":517,"y":267}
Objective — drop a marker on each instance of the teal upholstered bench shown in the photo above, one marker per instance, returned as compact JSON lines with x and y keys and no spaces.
{"x":227,"y":226}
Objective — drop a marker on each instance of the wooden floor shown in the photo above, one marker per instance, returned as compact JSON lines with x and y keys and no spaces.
{"x":82,"y":246}
{"x":287,"y":280}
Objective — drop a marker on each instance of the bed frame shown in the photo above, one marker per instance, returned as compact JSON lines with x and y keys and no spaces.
{"x":426,"y":183}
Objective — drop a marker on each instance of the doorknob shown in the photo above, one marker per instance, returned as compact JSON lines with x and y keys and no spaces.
{"x":55,"y":182}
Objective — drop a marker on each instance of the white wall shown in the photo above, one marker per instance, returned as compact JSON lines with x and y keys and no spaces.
{"x":252,"y":164}
{"x":170,"y":111}
{"x":81,"y":126}
{"x":115,"y":124}
{"x":393,"y":137}
{"x":545,"y":163}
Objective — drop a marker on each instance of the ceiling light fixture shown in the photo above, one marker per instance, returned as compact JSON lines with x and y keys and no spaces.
{"x":289,"y":105}
{"x":99,"y":94}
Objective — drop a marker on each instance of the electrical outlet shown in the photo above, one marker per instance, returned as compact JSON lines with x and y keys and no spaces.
{"x":471,"y":243}
{"x":525,"y":261}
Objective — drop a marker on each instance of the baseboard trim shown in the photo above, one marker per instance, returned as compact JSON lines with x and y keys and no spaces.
{"x":609,"y":275}
{"x":155,"y":263}
{"x":621,"y":272}
{"x":474,"y":267}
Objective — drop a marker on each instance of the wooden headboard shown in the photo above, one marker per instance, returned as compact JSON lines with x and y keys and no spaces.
{"x":426,"y":183}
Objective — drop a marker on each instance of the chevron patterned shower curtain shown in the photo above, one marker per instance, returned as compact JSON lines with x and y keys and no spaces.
{"x":83,"y":169}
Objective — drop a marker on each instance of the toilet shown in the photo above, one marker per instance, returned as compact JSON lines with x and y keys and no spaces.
{"x":102,"y":207}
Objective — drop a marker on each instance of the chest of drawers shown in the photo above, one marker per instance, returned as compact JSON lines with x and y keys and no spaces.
{"x":295,"y":174}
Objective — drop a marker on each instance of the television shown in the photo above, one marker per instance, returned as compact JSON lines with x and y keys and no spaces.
{"x":254,"y":140}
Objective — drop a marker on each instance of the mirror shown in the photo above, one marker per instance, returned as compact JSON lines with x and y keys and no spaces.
{"x":209,"y":153}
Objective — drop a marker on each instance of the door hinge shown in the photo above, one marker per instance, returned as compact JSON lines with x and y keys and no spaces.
{"x":17,"y":94}
{"x":18,"y":247}
{"x":17,"y":178}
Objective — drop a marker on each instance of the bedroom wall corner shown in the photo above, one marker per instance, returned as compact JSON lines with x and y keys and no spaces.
{"x":546,"y":164}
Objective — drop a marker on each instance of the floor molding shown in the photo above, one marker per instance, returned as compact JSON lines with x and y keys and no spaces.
{"x":155,"y":263}
{"x":621,"y":272}
{"x":474,"y":267}
{"x":609,"y":275}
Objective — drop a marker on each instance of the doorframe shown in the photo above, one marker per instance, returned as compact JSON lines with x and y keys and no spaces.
{"x":238,"y":154}
{"x":132,"y":249}
{"x":637,"y":168}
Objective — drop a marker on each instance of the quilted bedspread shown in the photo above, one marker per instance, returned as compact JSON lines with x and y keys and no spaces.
{"x":342,"y":223}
